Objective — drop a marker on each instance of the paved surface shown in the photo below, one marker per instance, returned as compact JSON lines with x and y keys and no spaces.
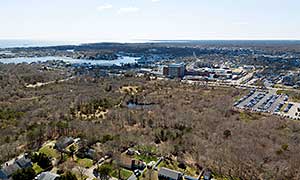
{"x":90,"y":172}
{"x":293,"y":113}
{"x":132,"y":177}
{"x":268,"y":103}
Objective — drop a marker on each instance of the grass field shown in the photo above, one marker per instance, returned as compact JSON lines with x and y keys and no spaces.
{"x":49,"y":151}
{"x":125,"y":174}
{"x":87,"y":163}
{"x":37,"y":169}
{"x":144,"y":158}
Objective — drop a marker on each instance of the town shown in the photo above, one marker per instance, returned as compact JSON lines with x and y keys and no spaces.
{"x":138,"y":111}
{"x":237,"y":68}
{"x":137,"y":162}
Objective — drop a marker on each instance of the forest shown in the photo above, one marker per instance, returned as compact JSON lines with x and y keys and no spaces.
{"x":192,"y":124}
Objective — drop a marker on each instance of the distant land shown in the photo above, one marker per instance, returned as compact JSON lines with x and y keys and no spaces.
{"x":29,"y":43}
{"x":7,"y":43}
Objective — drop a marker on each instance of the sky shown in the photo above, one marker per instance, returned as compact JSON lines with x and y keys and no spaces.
{"x":130,"y":20}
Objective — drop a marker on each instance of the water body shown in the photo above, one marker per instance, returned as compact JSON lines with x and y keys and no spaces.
{"x":139,"y":106}
{"x":121,"y":60}
{"x":29,"y":43}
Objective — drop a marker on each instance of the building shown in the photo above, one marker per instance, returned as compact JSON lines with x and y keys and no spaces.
{"x":207,"y":175}
{"x":8,"y":170}
{"x":190,"y":178}
{"x":168,"y":174}
{"x":63,"y":143}
{"x":47,"y":176}
{"x":174,"y":70}
{"x":131,"y":164}
{"x":24,"y":162}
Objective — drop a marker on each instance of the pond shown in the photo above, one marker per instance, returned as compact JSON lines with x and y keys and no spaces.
{"x":132,"y":105}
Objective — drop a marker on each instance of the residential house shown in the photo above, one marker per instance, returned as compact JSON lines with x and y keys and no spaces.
{"x":191,"y":178}
{"x":86,"y":152}
{"x":63,"y":143}
{"x":24,"y":162}
{"x":8,"y":170}
{"x":132,"y":164}
{"x":207,"y":175}
{"x":169,"y":174}
{"x":47,"y":176}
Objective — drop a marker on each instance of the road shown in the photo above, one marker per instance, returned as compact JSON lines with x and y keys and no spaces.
{"x":90,"y":171}
{"x":237,"y":85}
{"x":133,"y":177}
{"x":39,"y":84}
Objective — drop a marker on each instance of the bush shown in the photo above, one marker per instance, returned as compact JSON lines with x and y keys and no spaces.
{"x":24,"y":174}
{"x":227,"y":133}
{"x":104,"y":171}
{"x":68,"y":176}
{"x":42,"y":160}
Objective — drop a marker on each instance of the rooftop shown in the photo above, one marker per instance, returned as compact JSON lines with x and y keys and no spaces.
{"x":47,"y":176}
{"x":169,"y":173}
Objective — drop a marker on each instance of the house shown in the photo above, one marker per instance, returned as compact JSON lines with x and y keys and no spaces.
{"x":24,"y":162}
{"x":86,"y":152}
{"x":63,"y":143}
{"x":207,"y":175}
{"x":190,"y":178}
{"x":7,"y":171}
{"x":131,"y":164}
{"x":130,"y":152}
{"x":91,"y":153}
{"x":168,"y":174}
{"x":47,"y":176}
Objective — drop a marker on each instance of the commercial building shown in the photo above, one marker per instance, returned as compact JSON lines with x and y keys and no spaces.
{"x":176,"y":70}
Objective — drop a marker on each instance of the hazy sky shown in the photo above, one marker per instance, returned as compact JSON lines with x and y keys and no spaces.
{"x":122,"y":20}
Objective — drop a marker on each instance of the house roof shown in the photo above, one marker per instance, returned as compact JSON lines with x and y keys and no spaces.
{"x":10,"y":169}
{"x":126,"y":161}
{"x":47,"y":176}
{"x":169,"y":173}
{"x":190,"y":178}
{"x":176,"y":65}
{"x":62,"y":143}
{"x":207,"y":174}
{"x":23,"y":162}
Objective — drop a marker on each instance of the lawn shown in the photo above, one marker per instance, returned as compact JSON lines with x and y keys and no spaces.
{"x":125,"y":174}
{"x":149,"y":175}
{"x":144,"y":158}
{"x":87,"y":163}
{"x":168,"y":164}
{"x":146,"y":150}
{"x":49,"y":151}
{"x":37,"y":169}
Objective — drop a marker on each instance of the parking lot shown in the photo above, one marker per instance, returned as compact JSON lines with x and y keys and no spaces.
{"x":291,"y":110}
{"x":265,"y":101}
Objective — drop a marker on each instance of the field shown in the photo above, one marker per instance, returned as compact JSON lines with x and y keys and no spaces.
{"x":49,"y":151}
{"x":87,"y":163}
{"x":125,"y":174}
